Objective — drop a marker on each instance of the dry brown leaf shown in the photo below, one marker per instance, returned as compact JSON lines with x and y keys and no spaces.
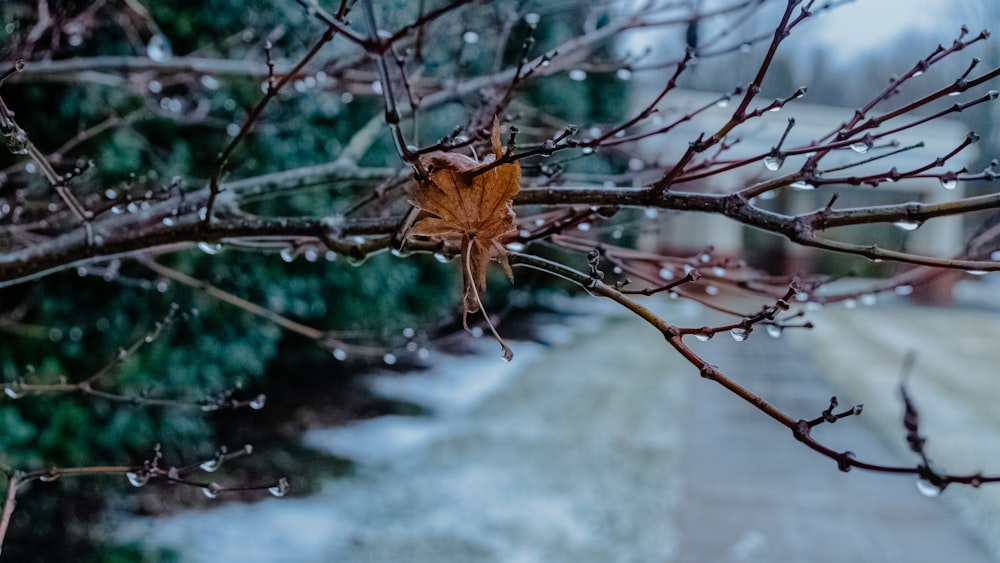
{"x":477,"y":207}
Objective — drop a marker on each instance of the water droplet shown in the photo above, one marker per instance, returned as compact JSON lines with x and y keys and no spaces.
{"x":11,"y":392}
{"x":288,"y":254}
{"x":377,"y":87}
{"x":949,"y":183}
{"x":976,"y":272}
{"x":802,"y":186}
{"x":506,"y":353}
{"x":470,"y":37}
{"x":279,"y":490}
{"x":532,"y":18}
{"x":773,"y":163}
{"x":774,"y":331}
{"x":651,"y":212}
{"x":339,"y":354}
{"x":719,"y":271}
{"x":209,"y":247}
{"x":158,"y":48}
{"x":137,"y":478}
{"x":904,"y":290}
{"x":723,"y":103}
{"x":868,"y":299}
{"x":666,"y":274}
{"x":209,"y":82}
{"x":906,"y":225}
{"x":587,"y":150}
{"x":703,"y":337}
{"x":928,"y":489}
{"x":211,"y":491}
{"x":712,"y":290}
{"x":745,"y":47}
{"x":423,"y":353}
{"x":48,"y":477}
{"x":583,"y":227}
{"x":850,"y":303}
{"x":203,"y":213}
{"x":258,"y":402}
{"x":232,"y":129}
{"x":408,"y":332}
{"x":740,"y":334}
{"x":636,"y":164}
{"x":861,"y":147}
{"x":169,"y":221}
{"x":442,"y":258}
{"x":577,"y":75}
{"x":623,"y":74}
{"x":515,"y":246}
{"x":212,"y":465}
{"x":389,"y":359}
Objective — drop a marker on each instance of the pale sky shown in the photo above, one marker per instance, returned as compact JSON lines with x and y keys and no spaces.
{"x":865,"y":25}
{"x":851,"y":29}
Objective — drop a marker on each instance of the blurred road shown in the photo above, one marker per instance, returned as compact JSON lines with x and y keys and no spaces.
{"x":606,"y":447}
{"x":753,"y":494}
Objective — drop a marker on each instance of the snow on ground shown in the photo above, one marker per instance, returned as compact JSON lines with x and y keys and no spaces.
{"x":560,"y":456}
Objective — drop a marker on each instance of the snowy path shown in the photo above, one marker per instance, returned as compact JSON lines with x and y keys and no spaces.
{"x":604,"y":449}
{"x":568,"y":456}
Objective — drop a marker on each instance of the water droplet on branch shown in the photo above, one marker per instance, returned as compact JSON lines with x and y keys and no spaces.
{"x":158,"y":48}
{"x":740,"y":334}
{"x":279,"y":490}
{"x":773,"y":163}
{"x":258,"y":402}
{"x":928,"y":489}
{"x":211,"y":491}
{"x":209,"y":247}
{"x":137,"y":478}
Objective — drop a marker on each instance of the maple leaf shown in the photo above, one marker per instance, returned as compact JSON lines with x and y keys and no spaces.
{"x":465,"y":197}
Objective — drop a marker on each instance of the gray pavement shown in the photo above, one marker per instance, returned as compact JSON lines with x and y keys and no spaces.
{"x":606,"y":447}
{"x":754,"y":494}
